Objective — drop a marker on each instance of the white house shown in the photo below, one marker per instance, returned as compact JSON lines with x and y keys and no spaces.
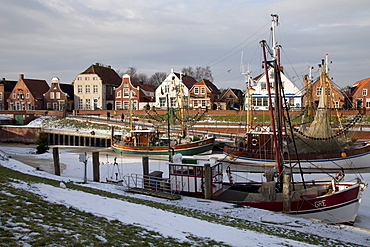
{"x":176,"y":85}
{"x":260,"y":94}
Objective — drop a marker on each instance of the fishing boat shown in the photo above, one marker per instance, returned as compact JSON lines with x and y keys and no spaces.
{"x":330,"y":199}
{"x":317,"y":145}
{"x":156,"y":141}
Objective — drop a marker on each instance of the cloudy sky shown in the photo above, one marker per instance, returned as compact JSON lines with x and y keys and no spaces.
{"x":47,"y":38}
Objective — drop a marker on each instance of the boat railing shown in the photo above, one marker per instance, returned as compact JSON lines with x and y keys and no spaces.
{"x":152,"y":183}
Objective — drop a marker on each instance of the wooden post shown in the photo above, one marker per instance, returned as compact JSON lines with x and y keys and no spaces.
{"x":96,"y":171}
{"x":286,"y":193}
{"x":56,"y":161}
{"x":145,"y":161}
{"x":207,"y":181}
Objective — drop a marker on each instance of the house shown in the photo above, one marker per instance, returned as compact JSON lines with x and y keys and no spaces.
{"x":93,"y":88}
{"x":260,"y":100}
{"x":175,"y":86}
{"x":204,"y":94}
{"x":140,"y":95}
{"x":60,"y":96}
{"x":27,"y":94}
{"x":337,"y":98}
{"x":231,"y":99}
{"x":359,"y":94}
{"x":6,"y":87}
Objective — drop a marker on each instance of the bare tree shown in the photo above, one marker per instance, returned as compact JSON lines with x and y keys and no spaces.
{"x":199,"y":72}
{"x":157,"y":78}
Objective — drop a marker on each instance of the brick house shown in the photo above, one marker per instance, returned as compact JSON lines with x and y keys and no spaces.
{"x":94,"y":88}
{"x":139,"y":95}
{"x":60,"y":96}
{"x":359,"y":94}
{"x":27,"y":94}
{"x":204,"y":94}
{"x":337,"y":98}
{"x":231,"y":99}
{"x":6,"y":87}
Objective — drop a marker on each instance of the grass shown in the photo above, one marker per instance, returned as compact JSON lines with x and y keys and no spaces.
{"x":27,"y":219}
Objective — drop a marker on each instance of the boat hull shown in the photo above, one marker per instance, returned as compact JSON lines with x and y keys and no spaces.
{"x":338,"y":207}
{"x":192,"y":148}
{"x":353,"y":160}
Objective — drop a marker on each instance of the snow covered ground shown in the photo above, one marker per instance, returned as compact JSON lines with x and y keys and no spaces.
{"x":167,"y":223}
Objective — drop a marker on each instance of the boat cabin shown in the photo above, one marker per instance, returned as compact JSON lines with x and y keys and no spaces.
{"x":190,"y":173}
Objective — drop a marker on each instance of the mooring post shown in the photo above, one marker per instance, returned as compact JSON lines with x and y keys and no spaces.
{"x":146,"y":178}
{"x":56,"y":161}
{"x":96,"y":171}
{"x":286,"y":193}
{"x":207,"y":181}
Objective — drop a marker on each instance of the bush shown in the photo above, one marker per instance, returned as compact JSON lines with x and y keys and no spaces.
{"x":42,"y":143}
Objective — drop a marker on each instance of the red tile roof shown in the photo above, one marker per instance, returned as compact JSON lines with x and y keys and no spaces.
{"x":187,"y":80}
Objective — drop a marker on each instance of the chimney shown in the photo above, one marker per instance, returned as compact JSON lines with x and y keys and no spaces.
{"x":21,"y":76}
{"x":109,"y":67}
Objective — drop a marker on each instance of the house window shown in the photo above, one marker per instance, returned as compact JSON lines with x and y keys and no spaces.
{"x":48,"y":105}
{"x":95,"y":78}
{"x":52,"y":95}
{"x":29,"y":106}
{"x":11,"y":106}
{"x":119,"y":94}
{"x":88,"y":104}
{"x":20,"y":96}
{"x":55,"y":106}
{"x":87,"y":89}
{"x":203,"y":103}
{"x":80,"y":104}
{"x":166,"y":89}
{"x":203,"y":90}
{"x":79,"y":88}
{"x":17,"y":106}
{"x":126,"y":92}
{"x":318,"y":91}
{"x":1,"y":96}
{"x":27,"y":95}
{"x":126,"y":105}
{"x":118,"y":105}
{"x":14,"y":96}
{"x":95,"y":89}
{"x":195,"y":103}
{"x":367,"y":103}
{"x":263,"y":86}
{"x":173,"y":102}
{"x":79,"y":78}
{"x":162,"y":102}
{"x":23,"y":106}
{"x":87,"y":78}
{"x":196,"y":90}
{"x":57,"y":95}
{"x":336,"y":104}
{"x":134,"y":105}
{"x":364,"y":92}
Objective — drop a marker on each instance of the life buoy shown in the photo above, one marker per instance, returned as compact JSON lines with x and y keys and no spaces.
{"x":254,"y":142}
{"x":128,"y":138}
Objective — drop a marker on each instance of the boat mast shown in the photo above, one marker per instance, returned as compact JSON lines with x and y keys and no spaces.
{"x":248,"y":101}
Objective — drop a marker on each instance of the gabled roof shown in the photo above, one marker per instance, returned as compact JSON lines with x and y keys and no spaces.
{"x":236,"y":92}
{"x":146,"y":87}
{"x":212,"y":87}
{"x":68,"y":89}
{"x":187,"y":80}
{"x":107,"y":74}
{"x":8,"y":85}
{"x":37,"y":87}
{"x":358,"y":85}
